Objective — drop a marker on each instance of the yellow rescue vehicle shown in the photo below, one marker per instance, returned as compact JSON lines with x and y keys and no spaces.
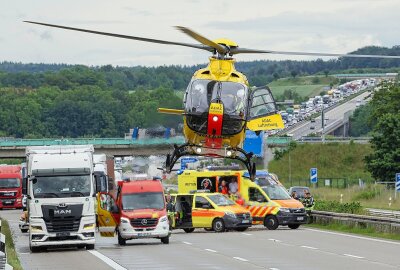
{"x":264,"y":209}
{"x":211,"y":211}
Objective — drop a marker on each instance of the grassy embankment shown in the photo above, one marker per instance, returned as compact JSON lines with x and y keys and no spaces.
{"x":355,"y":230}
{"x":334,"y":160}
{"x":12,"y":256}
{"x":305,"y":86}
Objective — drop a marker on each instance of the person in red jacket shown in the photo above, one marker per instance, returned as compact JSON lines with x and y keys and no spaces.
{"x":223,"y":188}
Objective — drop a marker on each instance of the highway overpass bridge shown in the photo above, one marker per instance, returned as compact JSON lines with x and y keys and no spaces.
{"x":118,"y":147}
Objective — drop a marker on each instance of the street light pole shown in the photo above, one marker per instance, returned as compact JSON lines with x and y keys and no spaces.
{"x":290,"y":163}
{"x":323,"y":124}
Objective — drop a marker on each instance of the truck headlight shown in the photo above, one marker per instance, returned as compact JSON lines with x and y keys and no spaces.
{"x":284,"y":210}
{"x":89,"y":226}
{"x":124,"y":220}
{"x":34,"y":228}
{"x":164,"y":219}
{"x":230,"y":214}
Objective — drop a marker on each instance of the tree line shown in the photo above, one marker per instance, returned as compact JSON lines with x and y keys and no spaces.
{"x":176,"y":77}
{"x":82,"y":111}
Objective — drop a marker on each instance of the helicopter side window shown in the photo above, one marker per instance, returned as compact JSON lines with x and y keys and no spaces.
{"x":262,"y":103}
{"x":198,"y":96}
{"x":233,"y":96}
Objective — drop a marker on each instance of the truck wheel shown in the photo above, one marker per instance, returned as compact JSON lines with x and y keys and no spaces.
{"x":165,"y":240}
{"x":218,"y":225}
{"x":90,"y":247}
{"x":35,"y":249}
{"x":242,"y":229}
{"x":188,"y":230}
{"x":271,"y":222}
{"x":121,"y":241}
{"x":24,"y":230}
{"x":294,"y":226}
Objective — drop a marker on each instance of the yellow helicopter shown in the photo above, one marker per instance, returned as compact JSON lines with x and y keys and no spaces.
{"x":219,"y":104}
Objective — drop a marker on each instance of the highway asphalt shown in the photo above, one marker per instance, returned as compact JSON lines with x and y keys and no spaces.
{"x":334,"y":115}
{"x":257,"y":248}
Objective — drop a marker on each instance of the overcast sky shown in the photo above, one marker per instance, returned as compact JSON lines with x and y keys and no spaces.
{"x":337,"y":26}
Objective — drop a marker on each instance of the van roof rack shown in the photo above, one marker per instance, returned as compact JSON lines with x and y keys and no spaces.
{"x":200,"y":191}
{"x":235,"y":167}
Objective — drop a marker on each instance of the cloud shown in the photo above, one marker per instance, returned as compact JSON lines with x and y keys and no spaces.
{"x":45,"y":35}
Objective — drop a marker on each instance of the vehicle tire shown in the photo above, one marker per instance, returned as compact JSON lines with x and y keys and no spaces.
{"x":24,"y":230}
{"x":242,"y":229}
{"x":121,"y":241}
{"x":165,"y":240}
{"x":188,"y":230}
{"x":35,"y":249}
{"x":294,"y":226}
{"x":208,"y":229}
{"x":271,"y":222}
{"x":218,"y":225}
{"x":90,"y":247}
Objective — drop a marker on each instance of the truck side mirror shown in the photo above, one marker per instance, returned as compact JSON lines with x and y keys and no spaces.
{"x":25,"y":186}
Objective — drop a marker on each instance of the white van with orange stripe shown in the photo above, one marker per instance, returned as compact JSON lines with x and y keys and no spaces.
{"x":263,"y":210}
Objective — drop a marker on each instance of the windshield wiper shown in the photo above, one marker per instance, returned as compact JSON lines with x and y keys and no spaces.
{"x":77,"y":194}
{"x":46,"y":195}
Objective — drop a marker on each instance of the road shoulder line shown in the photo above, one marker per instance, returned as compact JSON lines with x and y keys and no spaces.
{"x":107,"y":260}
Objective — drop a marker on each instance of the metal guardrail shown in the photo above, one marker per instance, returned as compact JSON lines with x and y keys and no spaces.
{"x":383,"y":213}
{"x":359,"y":218}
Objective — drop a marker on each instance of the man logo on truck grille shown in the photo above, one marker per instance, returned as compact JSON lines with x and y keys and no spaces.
{"x":62,"y":205}
{"x":144,"y":221}
{"x":62,"y":212}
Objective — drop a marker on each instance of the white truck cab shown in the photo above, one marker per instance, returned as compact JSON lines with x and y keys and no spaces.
{"x":60,"y":196}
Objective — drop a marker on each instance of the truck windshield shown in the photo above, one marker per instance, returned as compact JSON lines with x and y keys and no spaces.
{"x":61,"y":186}
{"x":9,"y":183}
{"x":220,"y":200}
{"x":145,"y":200}
{"x":276,"y":192}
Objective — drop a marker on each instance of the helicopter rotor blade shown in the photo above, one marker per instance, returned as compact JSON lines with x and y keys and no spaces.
{"x":197,"y":46}
{"x":244,"y":50}
{"x":203,"y":40}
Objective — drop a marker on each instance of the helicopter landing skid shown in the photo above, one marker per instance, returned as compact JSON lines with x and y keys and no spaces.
{"x":191,"y":150}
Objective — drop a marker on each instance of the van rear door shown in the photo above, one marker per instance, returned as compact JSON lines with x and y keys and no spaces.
{"x":107,"y":214}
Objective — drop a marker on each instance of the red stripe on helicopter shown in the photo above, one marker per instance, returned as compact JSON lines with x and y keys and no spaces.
{"x":214,"y":126}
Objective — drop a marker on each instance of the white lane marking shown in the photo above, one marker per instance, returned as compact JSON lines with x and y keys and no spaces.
{"x":355,"y":236}
{"x":353,"y":256}
{"x":187,"y":243}
{"x":275,"y":240}
{"x":241,"y":259}
{"x":246,"y":233}
{"x":309,"y":247}
{"x":210,"y":250}
{"x":107,"y":260}
{"x":274,"y":268}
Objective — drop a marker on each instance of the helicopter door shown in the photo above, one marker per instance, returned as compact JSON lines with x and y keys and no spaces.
{"x":263,"y":111}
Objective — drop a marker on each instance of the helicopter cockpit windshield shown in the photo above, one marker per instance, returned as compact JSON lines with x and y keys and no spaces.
{"x":232,"y":95}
